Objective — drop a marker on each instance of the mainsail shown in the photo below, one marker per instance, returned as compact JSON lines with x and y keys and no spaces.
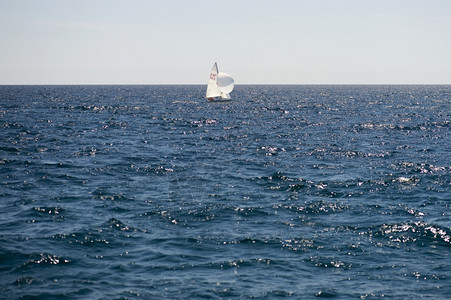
{"x":220,"y":84}
{"x":212,"y":88}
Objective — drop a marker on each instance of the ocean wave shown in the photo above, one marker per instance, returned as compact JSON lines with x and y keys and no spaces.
{"x":301,"y":191}
{"x":418,"y":234}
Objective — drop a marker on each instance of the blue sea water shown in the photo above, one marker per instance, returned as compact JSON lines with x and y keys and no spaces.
{"x":124,"y":192}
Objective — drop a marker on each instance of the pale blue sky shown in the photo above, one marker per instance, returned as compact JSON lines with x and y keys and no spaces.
{"x":256,"y":41}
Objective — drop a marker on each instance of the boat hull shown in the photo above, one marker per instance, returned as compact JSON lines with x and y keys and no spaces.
{"x":214,"y":100}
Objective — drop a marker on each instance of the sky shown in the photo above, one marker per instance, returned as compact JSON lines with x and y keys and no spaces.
{"x":256,"y":41}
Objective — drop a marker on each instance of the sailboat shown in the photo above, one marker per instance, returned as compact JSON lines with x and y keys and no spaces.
{"x":220,"y":85}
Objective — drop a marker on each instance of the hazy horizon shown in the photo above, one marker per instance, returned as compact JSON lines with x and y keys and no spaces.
{"x":140,"y":42}
{"x":236,"y":84}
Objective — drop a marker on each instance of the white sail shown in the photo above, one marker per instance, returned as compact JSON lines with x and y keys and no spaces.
{"x":225,"y":97}
{"x":212,"y":88}
{"x":220,"y":84}
{"x":225,"y":83}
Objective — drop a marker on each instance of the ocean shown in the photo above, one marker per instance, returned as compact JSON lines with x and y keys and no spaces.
{"x":151,"y":192}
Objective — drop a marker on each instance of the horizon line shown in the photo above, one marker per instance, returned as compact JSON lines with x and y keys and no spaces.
{"x":201,"y":84}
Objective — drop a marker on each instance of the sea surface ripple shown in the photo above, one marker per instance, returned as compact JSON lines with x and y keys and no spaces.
{"x":124,"y":192}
